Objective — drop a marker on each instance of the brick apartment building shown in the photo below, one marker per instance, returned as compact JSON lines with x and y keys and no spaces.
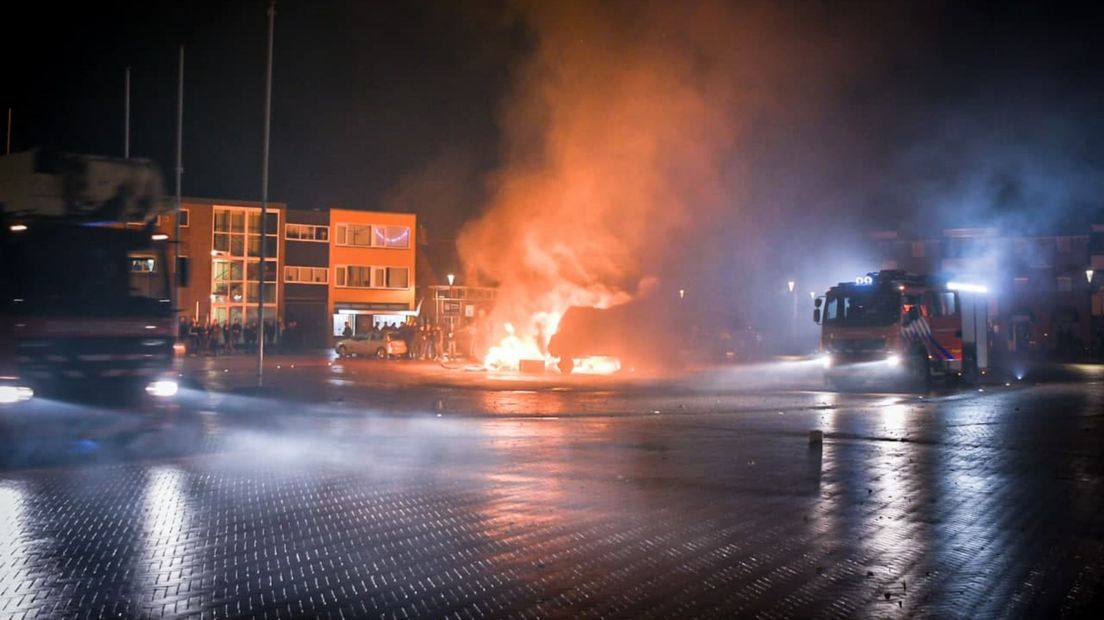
{"x":1046,"y":295}
{"x":321,"y":268}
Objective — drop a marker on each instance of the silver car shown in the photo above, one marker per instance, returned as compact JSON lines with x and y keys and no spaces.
{"x":382,"y":345}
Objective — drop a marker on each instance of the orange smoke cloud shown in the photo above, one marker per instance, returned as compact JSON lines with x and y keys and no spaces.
{"x":616,"y":136}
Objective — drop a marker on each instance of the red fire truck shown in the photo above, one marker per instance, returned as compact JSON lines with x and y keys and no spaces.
{"x":890,"y":325}
{"x":85,"y":296}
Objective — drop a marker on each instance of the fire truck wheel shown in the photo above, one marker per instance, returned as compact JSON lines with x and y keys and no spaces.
{"x":381,"y":353}
{"x":342,"y":351}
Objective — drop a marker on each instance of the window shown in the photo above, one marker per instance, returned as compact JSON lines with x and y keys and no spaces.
{"x":237,"y":241}
{"x":391,"y":237}
{"x":1064,"y":245}
{"x":147,"y":264}
{"x":306,"y":275}
{"x":918,"y":249}
{"x":307,"y":232}
{"x":369,"y":236}
{"x":359,"y":235}
{"x":184,"y":218}
{"x":364,"y":276}
{"x":397,"y":277}
{"x":1020,"y":285}
{"x":944,"y":303}
{"x":1065,"y":284}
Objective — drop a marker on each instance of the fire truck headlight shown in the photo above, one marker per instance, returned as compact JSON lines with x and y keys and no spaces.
{"x":893,"y":360}
{"x":826,"y":361}
{"x":163,"y":388}
{"x":11,"y":394}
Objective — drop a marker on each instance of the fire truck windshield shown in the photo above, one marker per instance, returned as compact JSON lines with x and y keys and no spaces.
{"x":79,"y":271}
{"x":859,"y":308}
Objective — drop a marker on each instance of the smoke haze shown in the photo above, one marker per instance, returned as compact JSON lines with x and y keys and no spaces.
{"x":631,"y":142}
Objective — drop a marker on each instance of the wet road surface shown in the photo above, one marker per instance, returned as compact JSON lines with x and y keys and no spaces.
{"x":363,"y":488}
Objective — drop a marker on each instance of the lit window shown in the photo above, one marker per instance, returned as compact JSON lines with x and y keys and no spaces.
{"x":369,"y":236}
{"x":307,"y":232}
{"x":143,"y":264}
{"x":359,"y":235}
{"x":391,"y":237}
{"x":918,"y":249}
{"x":365,"y":276}
{"x":306,"y":275}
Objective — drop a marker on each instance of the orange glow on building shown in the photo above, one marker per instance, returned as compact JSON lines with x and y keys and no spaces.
{"x":372,"y":262}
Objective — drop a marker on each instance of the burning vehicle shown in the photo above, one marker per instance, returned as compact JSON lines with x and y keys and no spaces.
{"x":644,"y":334}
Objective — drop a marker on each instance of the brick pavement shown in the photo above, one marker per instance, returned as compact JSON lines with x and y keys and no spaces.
{"x":969,"y":505}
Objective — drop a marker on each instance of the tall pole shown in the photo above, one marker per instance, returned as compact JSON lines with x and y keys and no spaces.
{"x":126,"y":115}
{"x":8,"y":148}
{"x":264,"y":196}
{"x":179,"y":168}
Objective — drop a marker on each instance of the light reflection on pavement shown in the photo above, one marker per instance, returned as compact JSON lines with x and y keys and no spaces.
{"x":423,"y":491}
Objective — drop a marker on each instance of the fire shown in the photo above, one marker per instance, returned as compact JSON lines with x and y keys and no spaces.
{"x":597,"y":365}
{"x":509,"y":352}
{"x":612,"y":152}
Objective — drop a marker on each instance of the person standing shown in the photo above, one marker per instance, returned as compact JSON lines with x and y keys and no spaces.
{"x":433,"y":337}
{"x":193,"y":338}
{"x":218,"y":340}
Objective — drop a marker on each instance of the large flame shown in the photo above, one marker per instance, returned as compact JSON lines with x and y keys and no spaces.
{"x":617,"y":137}
{"x":612,"y":133}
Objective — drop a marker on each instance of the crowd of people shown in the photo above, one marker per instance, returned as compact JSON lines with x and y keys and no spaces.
{"x":424,"y":341}
{"x":228,"y":338}
{"x":428,"y":341}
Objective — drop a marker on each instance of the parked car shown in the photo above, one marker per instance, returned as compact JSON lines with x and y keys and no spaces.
{"x":382,"y":345}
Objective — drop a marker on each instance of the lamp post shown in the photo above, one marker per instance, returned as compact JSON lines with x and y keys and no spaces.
{"x":264,"y":201}
{"x":451,"y":320}
{"x":1094,"y":350}
{"x":448,"y":300}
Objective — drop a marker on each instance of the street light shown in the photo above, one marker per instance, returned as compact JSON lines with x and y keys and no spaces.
{"x":791,"y":285}
{"x":682,"y":293}
{"x":451,"y":320}
{"x":1089,"y":275}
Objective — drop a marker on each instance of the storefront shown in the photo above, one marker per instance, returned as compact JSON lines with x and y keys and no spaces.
{"x":362,"y":317}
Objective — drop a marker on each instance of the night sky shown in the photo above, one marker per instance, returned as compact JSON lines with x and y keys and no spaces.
{"x":935,"y":114}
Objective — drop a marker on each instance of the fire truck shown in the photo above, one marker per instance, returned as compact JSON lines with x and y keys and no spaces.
{"x":86,"y":304}
{"x":891,"y":325}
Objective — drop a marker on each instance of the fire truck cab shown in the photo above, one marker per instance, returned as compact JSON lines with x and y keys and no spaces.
{"x":85,"y":294}
{"x":891,"y":325}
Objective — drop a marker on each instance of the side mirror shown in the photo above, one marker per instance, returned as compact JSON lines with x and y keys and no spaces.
{"x":183,"y":271}
{"x":818,"y":301}
{"x":816,"y":315}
